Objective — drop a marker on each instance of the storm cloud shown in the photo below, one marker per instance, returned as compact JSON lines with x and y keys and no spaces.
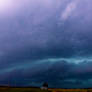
{"x":41,"y":40}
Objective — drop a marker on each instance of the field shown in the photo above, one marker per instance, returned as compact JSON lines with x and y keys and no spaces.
{"x":6,"y":89}
{"x":71,"y":90}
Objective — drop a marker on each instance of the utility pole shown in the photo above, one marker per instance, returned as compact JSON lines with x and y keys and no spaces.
{"x":8,"y":83}
{"x":15,"y":83}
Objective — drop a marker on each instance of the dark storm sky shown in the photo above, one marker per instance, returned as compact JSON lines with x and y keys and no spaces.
{"x":46,"y":40}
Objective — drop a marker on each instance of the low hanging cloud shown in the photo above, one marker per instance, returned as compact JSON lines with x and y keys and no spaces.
{"x":63,"y":73}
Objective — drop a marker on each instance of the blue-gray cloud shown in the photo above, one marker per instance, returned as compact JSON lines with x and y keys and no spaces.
{"x":43,"y":36}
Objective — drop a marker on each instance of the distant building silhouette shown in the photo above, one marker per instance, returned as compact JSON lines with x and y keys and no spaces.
{"x":45,"y":86}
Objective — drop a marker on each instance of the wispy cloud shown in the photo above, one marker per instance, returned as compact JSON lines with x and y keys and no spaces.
{"x":68,"y":10}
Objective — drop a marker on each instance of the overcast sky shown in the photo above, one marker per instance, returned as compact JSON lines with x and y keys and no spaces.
{"x":46,"y":40}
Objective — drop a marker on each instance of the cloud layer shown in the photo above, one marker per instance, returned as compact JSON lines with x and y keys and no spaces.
{"x":44,"y":39}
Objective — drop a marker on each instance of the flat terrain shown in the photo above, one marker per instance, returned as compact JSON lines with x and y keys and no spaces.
{"x":6,"y":89}
{"x":71,"y":90}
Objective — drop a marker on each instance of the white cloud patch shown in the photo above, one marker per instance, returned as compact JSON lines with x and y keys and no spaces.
{"x":68,"y":10}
